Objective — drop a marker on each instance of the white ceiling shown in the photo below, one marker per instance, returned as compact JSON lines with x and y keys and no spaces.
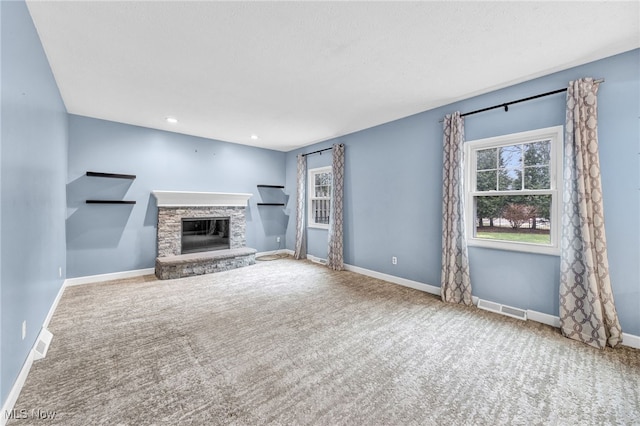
{"x":296,"y":73}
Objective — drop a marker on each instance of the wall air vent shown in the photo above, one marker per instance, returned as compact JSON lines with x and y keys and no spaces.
{"x":317,"y":259}
{"x":502,"y":309}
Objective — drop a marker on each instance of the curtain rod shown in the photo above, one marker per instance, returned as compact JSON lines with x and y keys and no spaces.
{"x":506,"y":104}
{"x":320,"y":150}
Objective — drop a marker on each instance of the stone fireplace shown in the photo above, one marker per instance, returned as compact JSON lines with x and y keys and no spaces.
{"x":170,"y":226}
{"x":175,"y":208}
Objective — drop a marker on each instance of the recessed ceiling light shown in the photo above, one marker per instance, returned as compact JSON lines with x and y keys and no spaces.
{"x":172,"y":120}
{"x":254,"y":137}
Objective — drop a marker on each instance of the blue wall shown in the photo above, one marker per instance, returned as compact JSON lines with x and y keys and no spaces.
{"x":113,"y":238}
{"x":33,"y":175}
{"x":393,"y":191}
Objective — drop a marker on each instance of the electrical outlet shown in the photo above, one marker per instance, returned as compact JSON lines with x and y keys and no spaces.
{"x":277,"y":239}
{"x":394,"y":260}
{"x":24,"y":329}
{"x":59,"y":271}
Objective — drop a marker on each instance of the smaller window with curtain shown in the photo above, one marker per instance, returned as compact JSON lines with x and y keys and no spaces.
{"x":319,"y":197}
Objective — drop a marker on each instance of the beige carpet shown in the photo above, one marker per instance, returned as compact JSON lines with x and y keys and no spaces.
{"x":291,"y":342}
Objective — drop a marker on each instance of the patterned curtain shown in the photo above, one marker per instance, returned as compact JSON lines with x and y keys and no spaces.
{"x":301,"y":246}
{"x":335,"y":258}
{"x":587,"y":310}
{"x":455,"y":284}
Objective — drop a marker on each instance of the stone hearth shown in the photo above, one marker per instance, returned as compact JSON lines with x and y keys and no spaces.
{"x":173,"y":206}
{"x":206,"y":262}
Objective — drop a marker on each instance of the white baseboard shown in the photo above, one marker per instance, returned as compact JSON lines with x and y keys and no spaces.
{"x":395,"y":280}
{"x":543,"y":318}
{"x":108,"y":277}
{"x":10,"y":402}
{"x":631,"y":340}
{"x":54,"y":305}
{"x":273,"y":252}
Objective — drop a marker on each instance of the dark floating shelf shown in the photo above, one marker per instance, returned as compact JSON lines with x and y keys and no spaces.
{"x":110,"y":202}
{"x":271,"y":186}
{"x":111,"y":175}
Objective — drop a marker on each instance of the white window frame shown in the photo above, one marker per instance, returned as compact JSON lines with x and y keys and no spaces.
{"x":311,"y":223}
{"x":555,"y":134}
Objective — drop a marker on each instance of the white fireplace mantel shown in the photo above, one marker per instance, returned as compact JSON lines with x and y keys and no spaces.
{"x":200,"y":199}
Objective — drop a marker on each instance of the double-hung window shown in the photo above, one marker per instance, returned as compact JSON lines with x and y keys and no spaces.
{"x":319,"y":204}
{"x":513,"y":189}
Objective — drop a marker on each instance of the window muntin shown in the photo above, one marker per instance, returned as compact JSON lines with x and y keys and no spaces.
{"x":319,"y":197}
{"x":514,"y":167}
{"x":512,"y":191}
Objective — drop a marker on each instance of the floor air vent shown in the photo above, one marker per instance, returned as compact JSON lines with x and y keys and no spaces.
{"x":42,"y":344}
{"x":502,"y":309}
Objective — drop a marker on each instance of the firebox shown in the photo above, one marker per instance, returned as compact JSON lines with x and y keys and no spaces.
{"x":205,"y":234}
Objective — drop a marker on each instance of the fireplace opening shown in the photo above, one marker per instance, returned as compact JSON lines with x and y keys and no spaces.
{"x":205,"y":234}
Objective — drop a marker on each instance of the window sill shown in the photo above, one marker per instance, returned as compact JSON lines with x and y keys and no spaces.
{"x":318,"y":226}
{"x":517,"y":247}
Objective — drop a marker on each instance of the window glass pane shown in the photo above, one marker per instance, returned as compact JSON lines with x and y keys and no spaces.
{"x":537,"y":153}
{"x":486,"y":180}
{"x":323,"y":191}
{"x":517,"y":218}
{"x":510,"y":180}
{"x":320,"y":209}
{"x":487,"y":159}
{"x":537,"y":177}
{"x":322,"y":187}
{"x":323,"y":179}
{"x":511,"y":157}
